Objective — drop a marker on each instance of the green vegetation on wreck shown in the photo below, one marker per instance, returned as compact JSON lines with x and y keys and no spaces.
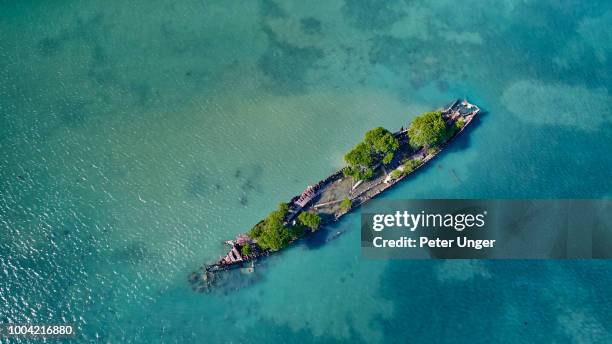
{"x":378,"y":146}
{"x":407,"y":168}
{"x":273,"y":234}
{"x":346,"y":204}
{"x":310,"y":219}
{"x":246,"y":249}
{"x":429,"y":130}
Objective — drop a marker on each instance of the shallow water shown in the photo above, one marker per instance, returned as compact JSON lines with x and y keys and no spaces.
{"x":135,"y":138}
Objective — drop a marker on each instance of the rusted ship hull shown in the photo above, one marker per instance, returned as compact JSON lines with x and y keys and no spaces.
{"x":206,"y":277}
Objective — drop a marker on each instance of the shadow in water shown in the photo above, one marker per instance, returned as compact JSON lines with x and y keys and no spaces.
{"x":323,"y":236}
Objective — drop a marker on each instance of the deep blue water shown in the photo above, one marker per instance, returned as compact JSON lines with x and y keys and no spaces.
{"x":136,"y":137}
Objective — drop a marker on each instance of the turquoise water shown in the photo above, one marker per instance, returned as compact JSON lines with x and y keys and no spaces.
{"x":136,"y":137}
